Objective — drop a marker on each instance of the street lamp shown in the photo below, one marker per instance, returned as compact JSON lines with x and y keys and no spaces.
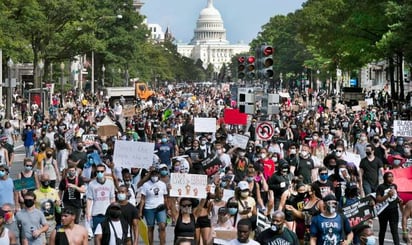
{"x":103,"y":70}
{"x":41,"y":66}
{"x":8,"y":101}
{"x":62,"y":84}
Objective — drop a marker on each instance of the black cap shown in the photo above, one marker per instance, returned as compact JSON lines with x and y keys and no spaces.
{"x":329,"y":197}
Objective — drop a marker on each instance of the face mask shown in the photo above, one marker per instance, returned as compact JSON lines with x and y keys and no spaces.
{"x":220,"y":151}
{"x":331,"y":209}
{"x":338,"y":154}
{"x":370,"y":240}
{"x":115,"y":214}
{"x":45,"y":184}
{"x":400,"y":142}
{"x":8,"y":217}
{"x":71,"y":174}
{"x":293,"y":152}
{"x":49,"y":155}
{"x":375,"y":141}
{"x":244,"y":194}
{"x":2,"y":173}
{"x":177,"y":168}
{"x":315,"y":138}
{"x":275,"y":159}
{"x":164,"y":172}
{"x":323,"y":177}
{"x":223,"y":184}
{"x":186,"y":210}
{"x":242,"y":154}
{"x":302,"y":195}
{"x":407,"y":150}
{"x":304,"y":154}
{"x":100,"y":175}
{"x":363,"y":138}
{"x":28,"y":168}
{"x":154,"y":179}
{"x":250,"y":179}
{"x":232,"y":211}
{"x":397,"y":162}
{"x":121,"y":196}
{"x":203,"y":142}
{"x":42,"y":148}
{"x":263,"y":155}
{"x":164,"y":140}
{"x":275,"y":227}
{"x":28,"y":203}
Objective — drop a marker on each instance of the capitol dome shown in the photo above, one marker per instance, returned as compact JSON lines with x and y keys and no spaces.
{"x":209,"y":26}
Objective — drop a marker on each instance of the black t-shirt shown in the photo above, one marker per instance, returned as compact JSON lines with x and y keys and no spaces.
{"x":79,"y":155}
{"x":71,"y":197}
{"x":325,"y":188}
{"x":268,"y":236}
{"x":304,"y":168}
{"x":129,"y":213}
{"x":383,"y":189}
{"x":371,"y":170}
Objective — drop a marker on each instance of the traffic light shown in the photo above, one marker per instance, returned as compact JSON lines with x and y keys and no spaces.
{"x":241,"y":67}
{"x":250,"y":67}
{"x":266,"y":61}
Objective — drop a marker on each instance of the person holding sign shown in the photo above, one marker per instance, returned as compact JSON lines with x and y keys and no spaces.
{"x":388,"y":192}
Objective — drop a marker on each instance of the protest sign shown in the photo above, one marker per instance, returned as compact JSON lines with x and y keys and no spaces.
{"x":24,"y":184}
{"x":211,"y":165}
{"x":352,"y":158}
{"x":240,"y":140}
{"x":369,"y":101}
{"x":129,"y":111}
{"x":359,"y":211}
{"x":129,"y":154}
{"x":68,"y":136}
{"x":227,"y":194}
{"x":363,"y":104}
{"x":88,"y":139}
{"x":356,"y":108}
{"x":205,"y":125}
{"x":188,"y":185}
{"x":402,"y":128}
{"x":235,"y":117}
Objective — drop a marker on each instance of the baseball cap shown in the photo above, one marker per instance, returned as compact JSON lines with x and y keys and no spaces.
{"x":162,"y":166}
{"x":329,"y":197}
{"x":243,"y":185}
{"x":4,"y":166}
{"x":114,"y":205}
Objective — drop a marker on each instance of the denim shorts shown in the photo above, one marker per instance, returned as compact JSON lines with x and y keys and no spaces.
{"x":151,"y":214}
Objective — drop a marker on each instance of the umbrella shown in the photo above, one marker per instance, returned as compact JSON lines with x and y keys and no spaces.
{"x":107,"y":127}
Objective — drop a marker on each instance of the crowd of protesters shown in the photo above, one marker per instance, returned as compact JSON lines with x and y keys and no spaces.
{"x":299,"y":180}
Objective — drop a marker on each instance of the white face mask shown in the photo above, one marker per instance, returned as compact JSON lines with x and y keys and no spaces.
{"x":293,"y":151}
{"x":338,"y":154}
{"x":263,"y":155}
{"x":220,"y":151}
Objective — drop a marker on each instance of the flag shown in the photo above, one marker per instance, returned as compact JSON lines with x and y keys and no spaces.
{"x":168,"y":112}
{"x":262,"y":221}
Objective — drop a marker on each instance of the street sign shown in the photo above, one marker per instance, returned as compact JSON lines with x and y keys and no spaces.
{"x":265,"y":131}
{"x":13,"y":83}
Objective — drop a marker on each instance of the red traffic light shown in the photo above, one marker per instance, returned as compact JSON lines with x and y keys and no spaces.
{"x":268,"y":51}
{"x":251,"y":59}
{"x":241,"y":59}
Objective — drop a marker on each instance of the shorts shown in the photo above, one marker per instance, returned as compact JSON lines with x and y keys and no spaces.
{"x":203,"y":222}
{"x":152,"y":214}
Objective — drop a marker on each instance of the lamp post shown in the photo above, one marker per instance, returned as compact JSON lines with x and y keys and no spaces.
{"x":41,"y":66}
{"x":9,"y":90}
{"x":62,"y":84}
{"x":103,"y":70}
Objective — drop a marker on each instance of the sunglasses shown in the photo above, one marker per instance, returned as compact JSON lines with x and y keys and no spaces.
{"x":29,"y":165}
{"x":339,"y":151}
{"x":99,"y":171}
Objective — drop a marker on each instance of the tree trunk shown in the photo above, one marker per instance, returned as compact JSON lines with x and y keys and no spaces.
{"x":392,"y":78}
{"x":400,"y":76}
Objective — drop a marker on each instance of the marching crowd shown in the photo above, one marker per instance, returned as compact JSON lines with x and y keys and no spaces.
{"x":319,"y":160}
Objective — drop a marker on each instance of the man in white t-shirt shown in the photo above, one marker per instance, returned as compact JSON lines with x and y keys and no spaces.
{"x":244,"y":227}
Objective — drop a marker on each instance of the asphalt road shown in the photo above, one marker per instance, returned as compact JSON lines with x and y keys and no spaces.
{"x":18,"y":167}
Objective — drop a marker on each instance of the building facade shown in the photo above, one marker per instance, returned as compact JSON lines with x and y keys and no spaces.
{"x":209,"y":43}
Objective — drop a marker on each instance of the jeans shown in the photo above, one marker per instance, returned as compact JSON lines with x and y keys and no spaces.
{"x":29,"y":150}
{"x":368,"y":188}
{"x":97,"y":219}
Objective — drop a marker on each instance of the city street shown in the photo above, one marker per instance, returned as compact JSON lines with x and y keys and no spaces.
{"x":18,"y":167}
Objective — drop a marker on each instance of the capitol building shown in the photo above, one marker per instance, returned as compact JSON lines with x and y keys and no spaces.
{"x":209,"y":43}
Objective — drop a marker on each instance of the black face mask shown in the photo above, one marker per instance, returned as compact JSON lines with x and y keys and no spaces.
{"x":28,"y":203}
{"x":115,"y":214}
{"x":302,"y":195}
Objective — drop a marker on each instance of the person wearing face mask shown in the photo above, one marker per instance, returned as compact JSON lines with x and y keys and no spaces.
{"x":114,"y":229}
{"x":8,"y":195}
{"x":267,"y":162}
{"x":100,"y":193}
{"x":70,"y":189}
{"x":399,"y":145}
{"x":217,"y":203}
{"x":165,"y":150}
{"x":49,"y":166}
{"x":10,"y":221}
{"x":153,"y":205}
{"x":407,"y":151}
{"x":278,"y":233}
{"x":360,"y":146}
{"x":195,"y":153}
{"x":7,"y":236}
{"x":303,"y":165}
{"x":259,"y":189}
{"x":240,"y":165}
{"x":48,"y":201}
{"x":323,"y":183}
{"x":186,"y":221}
{"x":129,"y":212}
{"x":279,"y":182}
{"x":370,"y":169}
{"x":27,"y":174}
{"x":247,"y":204}
{"x":293,"y":209}
{"x":32,"y":220}
{"x":365,"y":235}
{"x":329,"y":227}
{"x":132,"y":189}
{"x":341,"y":179}
{"x":205,"y":146}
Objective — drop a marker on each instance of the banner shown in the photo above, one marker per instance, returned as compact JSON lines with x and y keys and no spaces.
{"x":205,"y":125}
{"x":359,"y":212}
{"x":402,"y":177}
{"x":240,"y":140}
{"x":188,"y":185}
{"x":129,"y":154}
{"x":235,"y":117}
{"x":24,"y":184}
{"x":402,"y":128}
{"x":211,"y":165}
{"x":88,"y":139}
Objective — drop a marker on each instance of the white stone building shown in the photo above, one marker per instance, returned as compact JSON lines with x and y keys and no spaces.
{"x":209,"y":43}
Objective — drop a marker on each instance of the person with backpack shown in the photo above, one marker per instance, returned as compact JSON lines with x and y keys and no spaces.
{"x":114,"y":230}
{"x":330,"y":227}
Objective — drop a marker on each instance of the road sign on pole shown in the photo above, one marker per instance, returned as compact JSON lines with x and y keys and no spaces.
{"x":265,"y":131}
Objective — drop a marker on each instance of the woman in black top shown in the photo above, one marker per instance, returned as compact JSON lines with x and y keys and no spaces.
{"x":185,"y":224}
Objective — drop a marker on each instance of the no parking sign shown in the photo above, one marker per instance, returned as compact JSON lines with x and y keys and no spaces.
{"x":265,"y":131}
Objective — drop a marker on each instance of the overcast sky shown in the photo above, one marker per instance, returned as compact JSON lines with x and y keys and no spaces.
{"x":242,"y":18}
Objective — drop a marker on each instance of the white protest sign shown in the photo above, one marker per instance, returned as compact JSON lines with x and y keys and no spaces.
{"x":129,"y":154}
{"x":369,"y":101}
{"x":68,"y":136}
{"x":402,"y":128}
{"x":350,"y":157}
{"x":240,"y":140}
{"x":227,"y":194}
{"x":188,"y":185}
{"x":205,"y":125}
{"x":88,"y":139}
